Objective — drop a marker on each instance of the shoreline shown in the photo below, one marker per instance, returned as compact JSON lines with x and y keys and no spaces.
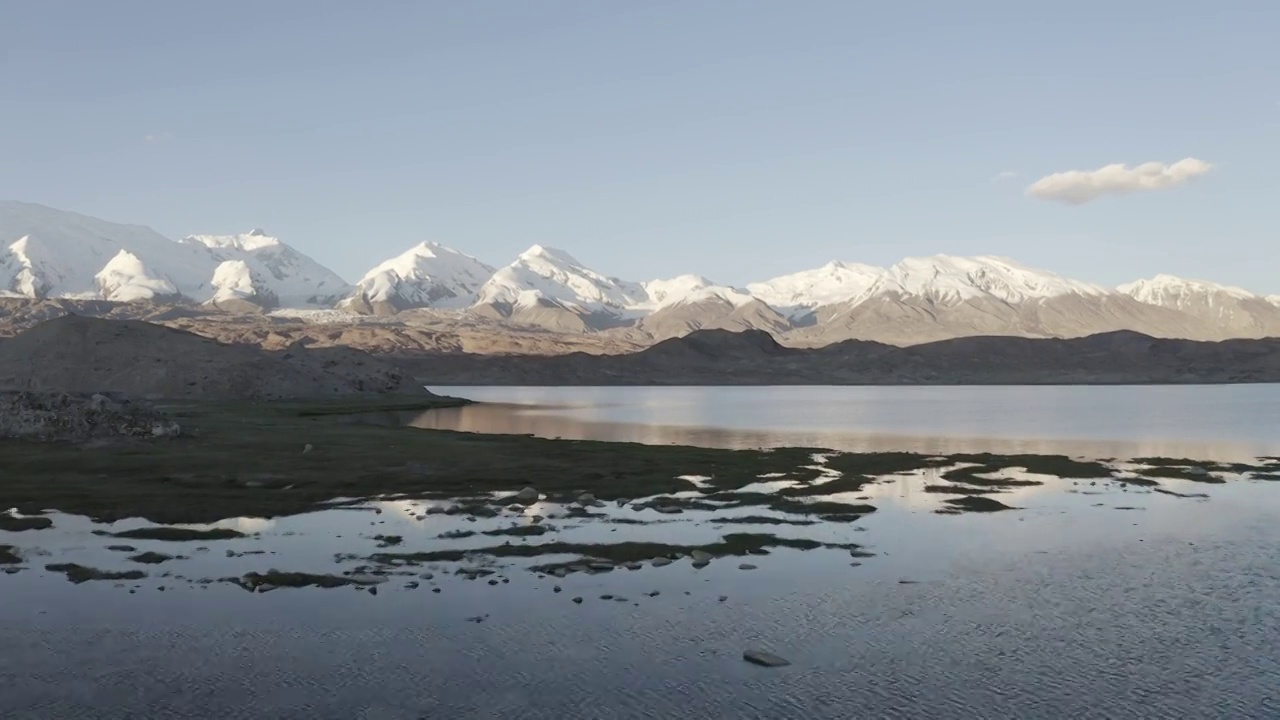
{"x":269,"y":460}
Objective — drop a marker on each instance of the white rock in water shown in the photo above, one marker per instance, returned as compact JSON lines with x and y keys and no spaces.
{"x":586,"y":499}
{"x":307,"y":448}
{"x":700,"y":555}
{"x":765,"y":659}
{"x":527,"y":496}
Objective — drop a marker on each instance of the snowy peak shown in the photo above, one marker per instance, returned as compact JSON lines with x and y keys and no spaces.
{"x":55,"y":253}
{"x":127,"y":279}
{"x":245,"y":242}
{"x":551,"y":256}
{"x":688,"y":290}
{"x":1175,"y":292}
{"x":426,"y":275}
{"x":947,"y":280}
{"x":295,"y":279}
{"x":237,"y":286}
{"x":546,"y":275}
{"x":833,"y":283}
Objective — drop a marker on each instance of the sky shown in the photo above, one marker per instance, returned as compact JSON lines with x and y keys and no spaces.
{"x":738,"y":139}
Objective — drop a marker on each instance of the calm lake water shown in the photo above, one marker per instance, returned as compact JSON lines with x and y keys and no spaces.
{"x":1092,"y":598}
{"x":1200,"y":421}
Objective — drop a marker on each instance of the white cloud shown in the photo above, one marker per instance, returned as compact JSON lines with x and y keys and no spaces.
{"x":1077,"y":187}
{"x":1006,"y":175}
{"x":157,"y":138}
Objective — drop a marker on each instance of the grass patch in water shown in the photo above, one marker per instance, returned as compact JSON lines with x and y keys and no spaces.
{"x":81,"y":573}
{"x":959,"y":490}
{"x":276,"y":578}
{"x":20,"y":524}
{"x":976,"y":503}
{"x":760,"y":520}
{"x":176,"y":534}
{"x":733,"y":544}
{"x":151,"y":558}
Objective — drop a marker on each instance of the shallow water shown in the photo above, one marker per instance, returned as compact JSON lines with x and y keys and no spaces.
{"x":1092,"y":599}
{"x":1200,"y":421}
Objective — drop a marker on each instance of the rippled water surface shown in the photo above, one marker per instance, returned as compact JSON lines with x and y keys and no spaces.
{"x":1091,"y":598}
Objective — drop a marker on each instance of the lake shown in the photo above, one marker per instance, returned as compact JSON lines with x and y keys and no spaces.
{"x":1201,"y":421}
{"x":1120,"y":593}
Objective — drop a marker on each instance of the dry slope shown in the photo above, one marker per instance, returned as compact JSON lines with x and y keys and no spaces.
{"x":79,"y":354}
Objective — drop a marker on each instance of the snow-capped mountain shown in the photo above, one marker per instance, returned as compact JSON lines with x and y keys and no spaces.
{"x":58,"y":254}
{"x":1235,"y":311}
{"x":238,"y":287}
{"x":946,"y":280}
{"x":543,"y":273}
{"x":689,"y":290}
{"x":47,"y":253}
{"x":427,"y":275}
{"x":276,"y":269}
{"x":125,"y":278}
{"x":833,"y":283}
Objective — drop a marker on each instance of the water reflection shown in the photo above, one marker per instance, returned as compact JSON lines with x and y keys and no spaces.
{"x":573,"y":420}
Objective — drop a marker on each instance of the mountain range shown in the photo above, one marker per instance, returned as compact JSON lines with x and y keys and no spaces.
{"x":48,"y":253}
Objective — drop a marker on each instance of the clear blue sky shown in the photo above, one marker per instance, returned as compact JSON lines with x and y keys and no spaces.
{"x":737,"y":139}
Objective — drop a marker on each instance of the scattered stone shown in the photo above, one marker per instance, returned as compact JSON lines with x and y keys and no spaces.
{"x":764,"y":659}
{"x":724,"y":598}
{"x":855,"y":564}
{"x":560,"y":573}
{"x":555,"y":589}
{"x":123,"y":548}
{"x":493,"y":582}
{"x":606,"y":597}
{"x":527,"y":496}
{"x":699,"y":564}
{"x":577,"y":600}
{"x":373,"y":590}
{"x":427,"y":576}
{"x":660,"y":561}
{"x":435,"y":590}
{"x":586,"y":499}
{"x":620,"y":599}
{"x":411,"y":585}
{"x":601,"y":566}
{"x":668,"y":510}
{"x":653,"y":593}
{"x":700,"y":555}
{"x":477,"y":618}
{"x":746,"y":566}
{"x":632,"y":565}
